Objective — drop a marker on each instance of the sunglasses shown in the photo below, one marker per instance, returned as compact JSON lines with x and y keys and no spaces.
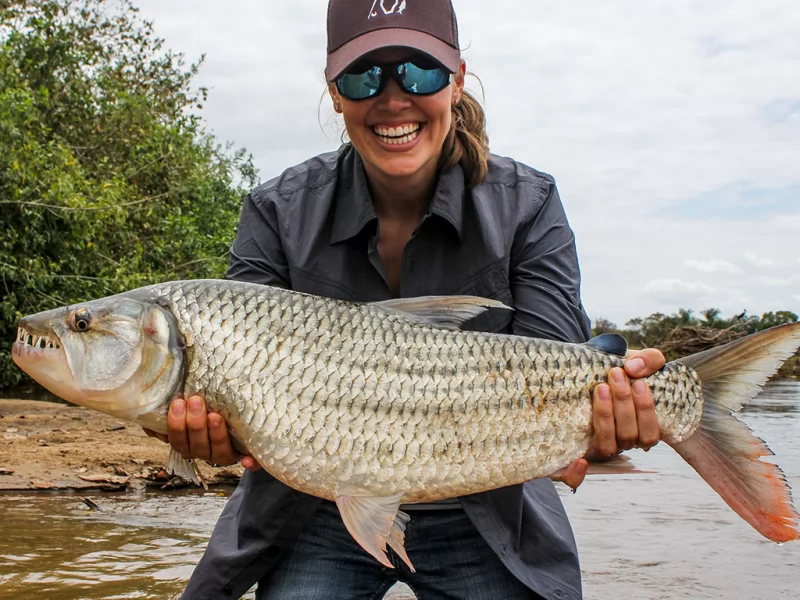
{"x":415,"y":77}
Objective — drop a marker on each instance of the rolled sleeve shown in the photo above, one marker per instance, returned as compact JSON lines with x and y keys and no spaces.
{"x":545,"y":276}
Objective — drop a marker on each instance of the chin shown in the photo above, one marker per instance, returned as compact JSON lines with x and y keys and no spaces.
{"x":405,"y":167}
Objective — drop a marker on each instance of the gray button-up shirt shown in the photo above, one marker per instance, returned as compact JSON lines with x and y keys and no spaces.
{"x":314,"y":230}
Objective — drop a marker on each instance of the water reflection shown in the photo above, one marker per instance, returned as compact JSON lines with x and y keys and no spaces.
{"x":780,"y":397}
{"x":139,"y":547}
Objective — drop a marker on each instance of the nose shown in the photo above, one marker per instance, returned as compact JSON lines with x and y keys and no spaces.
{"x":393,"y":98}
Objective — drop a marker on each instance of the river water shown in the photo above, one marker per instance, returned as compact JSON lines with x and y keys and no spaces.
{"x":646,"y":537}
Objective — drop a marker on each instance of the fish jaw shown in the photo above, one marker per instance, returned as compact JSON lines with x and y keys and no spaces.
{"x":119,"y":355}
{"x":38,"y":352}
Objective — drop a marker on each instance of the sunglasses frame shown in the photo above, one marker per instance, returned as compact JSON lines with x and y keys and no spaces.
{"x":391,"y":70}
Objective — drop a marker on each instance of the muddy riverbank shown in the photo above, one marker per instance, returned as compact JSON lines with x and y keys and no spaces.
{"x":50,"y":446}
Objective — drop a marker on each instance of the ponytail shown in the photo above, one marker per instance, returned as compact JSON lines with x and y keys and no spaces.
{"x":467,"y":143}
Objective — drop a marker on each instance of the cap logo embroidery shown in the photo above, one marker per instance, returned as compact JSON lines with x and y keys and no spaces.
{"x":397,"y":8}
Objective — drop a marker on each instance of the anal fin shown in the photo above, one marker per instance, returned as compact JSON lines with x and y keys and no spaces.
{"x":374,"y":523}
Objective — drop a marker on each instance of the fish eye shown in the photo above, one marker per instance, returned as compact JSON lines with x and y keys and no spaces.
{"x":80,"y":320}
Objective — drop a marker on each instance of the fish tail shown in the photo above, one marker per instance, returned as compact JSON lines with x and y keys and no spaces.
{"x":723,"y":450}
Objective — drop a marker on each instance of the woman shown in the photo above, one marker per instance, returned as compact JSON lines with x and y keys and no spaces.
{"x":414,"y":205}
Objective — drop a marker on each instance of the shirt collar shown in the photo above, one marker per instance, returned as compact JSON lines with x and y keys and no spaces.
{"x":353,"y":208}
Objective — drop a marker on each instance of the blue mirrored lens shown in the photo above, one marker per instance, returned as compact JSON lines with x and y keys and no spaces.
{"x":364,"y":82}
{"x":358,"y":86}
{"x":422,"y":81}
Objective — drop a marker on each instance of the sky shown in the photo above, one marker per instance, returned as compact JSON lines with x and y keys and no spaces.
{"x":672,"y":127}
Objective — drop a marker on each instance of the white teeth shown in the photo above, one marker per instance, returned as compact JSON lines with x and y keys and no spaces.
{"x":35,"y":341}
{"x":394,"y":141}
{"x":396,"y":132}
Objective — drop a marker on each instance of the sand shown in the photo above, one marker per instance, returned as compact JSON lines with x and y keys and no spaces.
{"x":49,"y":446}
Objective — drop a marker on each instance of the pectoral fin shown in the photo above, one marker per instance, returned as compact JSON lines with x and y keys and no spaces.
{"x":374,"y":522}
{"x":183,"y":467}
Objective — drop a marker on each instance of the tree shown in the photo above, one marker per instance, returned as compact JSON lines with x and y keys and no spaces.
{"x":108,"y":180}
{"x":781,"y":317}
{"x":602,"y":326}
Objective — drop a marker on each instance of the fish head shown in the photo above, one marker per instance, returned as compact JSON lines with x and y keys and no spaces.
{"x":119,"y":355}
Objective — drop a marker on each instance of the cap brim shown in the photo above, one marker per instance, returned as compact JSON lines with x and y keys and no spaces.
{"x":341,"y":58}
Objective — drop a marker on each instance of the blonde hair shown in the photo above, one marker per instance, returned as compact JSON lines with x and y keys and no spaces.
{"x":467,"y":142}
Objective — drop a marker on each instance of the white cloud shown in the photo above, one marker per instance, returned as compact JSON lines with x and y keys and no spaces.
{"x":677,"y":287}
{"x":637,"y":108}
{"x":712,"y":266}
{"x":770,"y":281}
{"x":757,"y":261}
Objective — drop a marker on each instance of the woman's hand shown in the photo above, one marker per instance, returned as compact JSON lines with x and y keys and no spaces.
{"x":196,"y":433}
{"x":624,"y":413}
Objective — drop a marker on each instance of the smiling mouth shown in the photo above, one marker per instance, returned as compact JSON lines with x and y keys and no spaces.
{"x":397,"y":136}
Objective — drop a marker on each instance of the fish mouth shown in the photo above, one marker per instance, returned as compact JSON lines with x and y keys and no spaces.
{"x":31,"y":345}
{"x":38,"y":351}
{"x":29,"y":341}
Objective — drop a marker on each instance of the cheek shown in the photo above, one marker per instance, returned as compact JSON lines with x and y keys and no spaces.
{"x":355,"y":117}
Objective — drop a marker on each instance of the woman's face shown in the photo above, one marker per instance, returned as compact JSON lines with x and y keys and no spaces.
{"x":396,"y":133}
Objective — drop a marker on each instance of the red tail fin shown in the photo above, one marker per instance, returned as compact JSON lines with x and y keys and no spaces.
{"x":723,"y":450}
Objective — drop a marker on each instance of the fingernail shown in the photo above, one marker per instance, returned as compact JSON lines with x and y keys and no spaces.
{"x":178,"y":408}
{"x":639,"y":388}
{"x":635,"y":365}
{"x":618,"y":376}
{"x":214,"y":422}
{"x":195,"y":406}
{"x":604,"y":393}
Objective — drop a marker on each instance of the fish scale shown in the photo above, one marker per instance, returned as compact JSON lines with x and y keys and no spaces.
{"x":443,"y":381}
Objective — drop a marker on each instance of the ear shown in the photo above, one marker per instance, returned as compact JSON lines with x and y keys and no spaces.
{"x":335,"y":97}
{"x":458,"y":81}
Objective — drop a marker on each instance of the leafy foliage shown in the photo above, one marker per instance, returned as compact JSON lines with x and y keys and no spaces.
{"x":108,"y":180}
{"x":682,"y":333}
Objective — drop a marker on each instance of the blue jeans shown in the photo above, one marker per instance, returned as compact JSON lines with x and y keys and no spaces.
{"x":451,"y":559}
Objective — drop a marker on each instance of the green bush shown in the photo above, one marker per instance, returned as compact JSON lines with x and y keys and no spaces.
{"x":108,"y":180}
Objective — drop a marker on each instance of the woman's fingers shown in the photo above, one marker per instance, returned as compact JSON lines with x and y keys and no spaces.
{"x":574,"y":474}
{"x":643,"y":363}
{"x":649,"y":429}
{"x":222,"y":452}
{"x":626,"y":424}
{"x":197,"y":428}
{"x":176,"y":424}
{"x":605,"y":437}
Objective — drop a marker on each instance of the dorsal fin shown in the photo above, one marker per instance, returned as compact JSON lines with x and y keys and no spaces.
{"x":447,"y":312}
{"x":610,"y":343}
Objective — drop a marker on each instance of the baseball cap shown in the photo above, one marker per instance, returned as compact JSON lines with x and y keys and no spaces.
{"x":358,"y":27}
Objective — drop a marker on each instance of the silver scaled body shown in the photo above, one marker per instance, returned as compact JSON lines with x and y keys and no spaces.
{"x":334,"y":397}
